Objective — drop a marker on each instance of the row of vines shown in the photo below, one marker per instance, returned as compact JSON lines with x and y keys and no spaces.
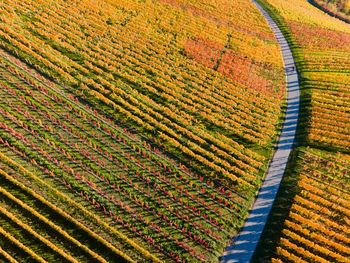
{"x":317,"y":224}
{"x":132,"y":130}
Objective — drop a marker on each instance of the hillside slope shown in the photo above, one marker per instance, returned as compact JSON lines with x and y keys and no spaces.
{"x":338,"y":8}
{"x":135,"y":130}
{"x":311,"y":220}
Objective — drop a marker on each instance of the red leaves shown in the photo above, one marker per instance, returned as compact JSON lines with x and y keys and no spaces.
{"x":309,"y":35}
{"x":239,"y":68}
{"x":203,"y":51}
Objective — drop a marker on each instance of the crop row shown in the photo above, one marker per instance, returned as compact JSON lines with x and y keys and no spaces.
{"x":317,"y":228}
{"x":67,"y":142}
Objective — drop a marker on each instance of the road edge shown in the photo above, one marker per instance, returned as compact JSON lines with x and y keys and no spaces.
{"x":245,"y":243}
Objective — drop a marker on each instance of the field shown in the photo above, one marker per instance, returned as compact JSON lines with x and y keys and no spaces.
{"x":338,"y":8}
{"x":132,"y":130}
{"x":317,"y":228}
{"x":316,"y":188}
{"x":141,"y":130}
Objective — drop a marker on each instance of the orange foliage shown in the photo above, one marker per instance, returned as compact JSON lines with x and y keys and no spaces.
{"x":241,"y":69}
{"x":203,"y":51}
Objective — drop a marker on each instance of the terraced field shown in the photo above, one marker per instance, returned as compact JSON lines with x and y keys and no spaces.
{"x":132,"y":130}
{"x":317,"y":187}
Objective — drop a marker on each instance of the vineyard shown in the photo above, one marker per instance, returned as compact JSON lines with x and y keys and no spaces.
{"x":316,"y":192}
{"x":141,"y":131}
{"x":132,"y":131}
{"x":337,"y":8}
{"x":317,"y":228}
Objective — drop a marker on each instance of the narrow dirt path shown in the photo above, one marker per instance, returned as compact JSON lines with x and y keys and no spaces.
{"x":244,"y":244}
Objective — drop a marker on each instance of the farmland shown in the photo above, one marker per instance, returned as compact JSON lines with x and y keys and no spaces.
{"x":317,"y":228}
{"x":316,"y":188}
{"x":132,"y":131}
{"x":338,"y":8}
{"x":142,"y":130}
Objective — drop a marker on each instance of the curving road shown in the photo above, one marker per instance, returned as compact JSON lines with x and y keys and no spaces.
{"x":247,"y":239}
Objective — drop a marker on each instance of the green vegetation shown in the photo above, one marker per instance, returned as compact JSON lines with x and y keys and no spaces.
{"x":144,"y":128}
{"x":309,"y":221}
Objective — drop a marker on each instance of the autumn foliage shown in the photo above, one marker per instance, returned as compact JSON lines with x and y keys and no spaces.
{"x":241,"y":69}
{"x":137,"y":123}
{"x":317,"y":227}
